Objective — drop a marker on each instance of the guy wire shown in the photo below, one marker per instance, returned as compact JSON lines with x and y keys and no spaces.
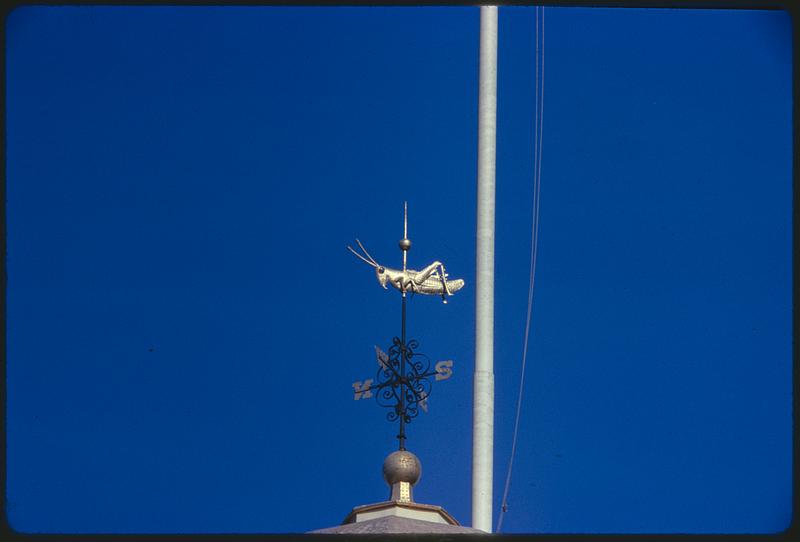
{"x":537,"y":167}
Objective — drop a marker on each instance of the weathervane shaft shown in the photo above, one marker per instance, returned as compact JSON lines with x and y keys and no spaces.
{"x":403,"y":373}
{"x":405,"y":246}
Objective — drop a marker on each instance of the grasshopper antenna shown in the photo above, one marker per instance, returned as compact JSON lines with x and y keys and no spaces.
{"x":362,"y":258}
{"x":376,"y":264}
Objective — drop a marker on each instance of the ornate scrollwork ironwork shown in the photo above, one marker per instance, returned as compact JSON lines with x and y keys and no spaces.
{"x":402,"y":380}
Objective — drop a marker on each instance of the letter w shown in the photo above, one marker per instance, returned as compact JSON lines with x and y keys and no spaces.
{"x":362,"y":391}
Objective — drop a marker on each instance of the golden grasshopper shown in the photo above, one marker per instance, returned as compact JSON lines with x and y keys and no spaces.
{"x":432,"y":280}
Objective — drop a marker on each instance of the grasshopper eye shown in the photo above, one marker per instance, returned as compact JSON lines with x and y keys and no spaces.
{"x":381,"y":270}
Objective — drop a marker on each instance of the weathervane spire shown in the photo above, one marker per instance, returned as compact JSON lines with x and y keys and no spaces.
{"x":405,"y":242}
{"x":403,"y":373}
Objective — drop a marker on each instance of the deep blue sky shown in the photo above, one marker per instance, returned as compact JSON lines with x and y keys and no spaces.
{"x":184,"y":322}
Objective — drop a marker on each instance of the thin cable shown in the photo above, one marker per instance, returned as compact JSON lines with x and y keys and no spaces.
{"x":537,"y":166}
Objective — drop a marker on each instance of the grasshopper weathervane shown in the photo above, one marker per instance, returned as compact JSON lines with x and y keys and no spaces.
{"x":431,"y":280}
{"x":403,"y":373}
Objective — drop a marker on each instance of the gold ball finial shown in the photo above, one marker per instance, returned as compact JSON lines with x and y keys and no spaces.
{"x":401,"y":466}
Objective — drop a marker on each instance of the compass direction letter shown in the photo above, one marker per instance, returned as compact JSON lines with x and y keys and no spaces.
{"x":383,"y":357}
{"x":362,"y":391}
{"x":444,"y":369}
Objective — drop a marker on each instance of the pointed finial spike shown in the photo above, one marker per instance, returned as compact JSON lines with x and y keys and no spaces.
{"x":405,"y":242}
{"x":405,"y":220}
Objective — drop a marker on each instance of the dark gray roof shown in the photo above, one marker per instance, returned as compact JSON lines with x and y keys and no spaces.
{"x":396,"y":524}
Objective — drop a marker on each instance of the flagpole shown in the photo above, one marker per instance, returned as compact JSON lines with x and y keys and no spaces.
{"x":483,"y":384}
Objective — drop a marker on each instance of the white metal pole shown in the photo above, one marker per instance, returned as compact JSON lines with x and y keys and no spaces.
{"x":483,"y":391}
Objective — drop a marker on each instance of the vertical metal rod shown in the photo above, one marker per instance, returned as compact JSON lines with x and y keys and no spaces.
{"x":405,"y":233}
{"x":402,"y":436}
{"x":404,"y":247}
{"x":483,"y":391}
